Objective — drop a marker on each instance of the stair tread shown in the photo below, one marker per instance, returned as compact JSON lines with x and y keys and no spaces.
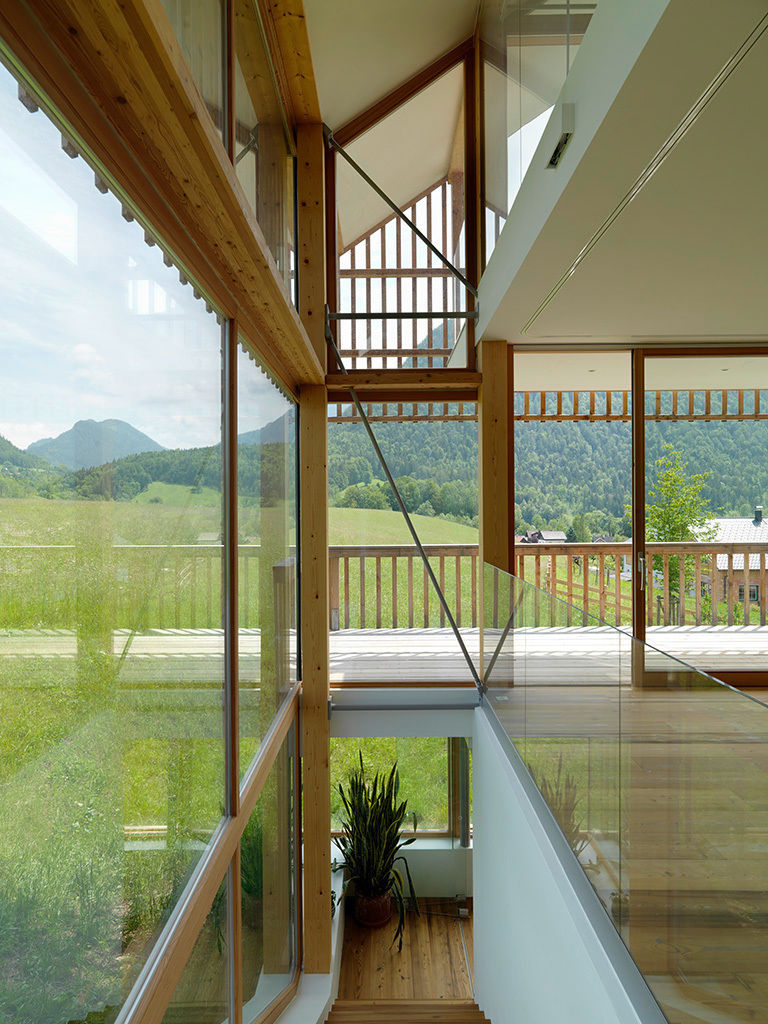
{"x":406,"y":1011}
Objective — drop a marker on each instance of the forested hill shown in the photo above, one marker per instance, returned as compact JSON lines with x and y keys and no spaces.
{"x":564,"y":470}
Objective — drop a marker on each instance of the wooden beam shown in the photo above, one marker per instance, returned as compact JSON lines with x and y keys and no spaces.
{"x":404,"y":381}
{"x":494,"y":410}
{"x":118,"y":75}
{"x":310,"y":149}
{"x":293,"y":60}
{"x":432,"y":395}
{"x":379,"y":110}
{"x":315,"y":611}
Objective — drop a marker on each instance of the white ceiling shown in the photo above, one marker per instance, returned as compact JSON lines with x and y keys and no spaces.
{"x":363,"y":49}
{"x":404,"y":154}
{"x":687,"y":258}
{"x":611,"y":371}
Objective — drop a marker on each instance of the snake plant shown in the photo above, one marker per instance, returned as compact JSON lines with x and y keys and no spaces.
{"x":371,"y":840}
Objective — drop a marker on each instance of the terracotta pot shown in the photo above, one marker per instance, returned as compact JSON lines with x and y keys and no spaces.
{"x":373,"y":911}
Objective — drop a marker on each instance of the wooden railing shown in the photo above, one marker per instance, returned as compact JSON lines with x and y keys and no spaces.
{"x":396,"y":592}
{"x":687,"y":583}
{"x":387,"y":586}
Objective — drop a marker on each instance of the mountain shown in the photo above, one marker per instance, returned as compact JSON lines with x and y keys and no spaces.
{"x":273,"y":433}
{"x":89,"y":443}
{"x":13,"y":457}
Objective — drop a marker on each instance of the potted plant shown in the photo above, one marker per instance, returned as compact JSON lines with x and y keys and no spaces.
{"x":370,"y":842}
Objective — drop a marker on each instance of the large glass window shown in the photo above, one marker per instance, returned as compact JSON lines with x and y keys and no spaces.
{"x":203,"y":992}
{"x":423,"y":768}
{"x":706,"y":480}
{"x":199,"y":27}
{"x":573,"y":462}
{"x":263,"y":150}
{"x":268,"y":888}
{"x":266,"y":451}
{"x":111,"y":641}
{"x":387,"y":622}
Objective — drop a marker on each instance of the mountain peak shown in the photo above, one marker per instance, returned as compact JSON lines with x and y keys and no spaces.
{"x":92,"y":443}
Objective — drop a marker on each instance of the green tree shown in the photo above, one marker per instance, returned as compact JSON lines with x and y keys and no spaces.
{"x":677,"y":511}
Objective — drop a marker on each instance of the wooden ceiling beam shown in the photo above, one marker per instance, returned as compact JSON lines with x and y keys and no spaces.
{"x":406,"y":383}
{"x":286,"y":27}
{"x":118,"y":75}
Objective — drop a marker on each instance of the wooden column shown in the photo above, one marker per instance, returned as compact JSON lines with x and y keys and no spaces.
{"x":310,"y":150}
{"x":497,"y":500}
{"x":638,"y":516}
{"x":316,"y":797}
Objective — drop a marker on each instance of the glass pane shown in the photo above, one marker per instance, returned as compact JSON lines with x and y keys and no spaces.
{"x":267,"y":877}
{"x":198,"y":25}
{"x":416,"y":155}
{"x":202,"y":994}
{"x":387,"y":623}
{"x":422,"y":764}
{"x":266,"y":428}
{"x":573,"y":461}
{"x":706,"y":477}
{"x":528,"y":50}
{"x":263,"y":156}
{"x":111,"y":643}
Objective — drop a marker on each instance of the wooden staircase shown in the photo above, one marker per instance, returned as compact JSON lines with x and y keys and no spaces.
{"x":406,"y":1011}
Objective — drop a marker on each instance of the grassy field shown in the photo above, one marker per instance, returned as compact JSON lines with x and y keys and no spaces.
{"x":159,"y":493}
{"x":382,"y":526}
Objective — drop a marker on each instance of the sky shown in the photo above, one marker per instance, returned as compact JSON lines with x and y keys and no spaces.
{"x":93,"y":325}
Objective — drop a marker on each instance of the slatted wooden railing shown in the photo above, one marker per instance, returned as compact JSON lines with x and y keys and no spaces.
{"x":396,"y":592}
{"x":386,"y":586}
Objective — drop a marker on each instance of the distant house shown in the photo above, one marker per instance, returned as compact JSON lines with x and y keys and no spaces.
{"x":741,"y":531}
{"x":544,"y":537}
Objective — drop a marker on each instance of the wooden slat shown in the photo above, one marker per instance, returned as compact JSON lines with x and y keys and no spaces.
{"x":410,"y":592}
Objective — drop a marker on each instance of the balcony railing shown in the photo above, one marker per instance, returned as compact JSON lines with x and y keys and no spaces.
{"x":688,"y":584}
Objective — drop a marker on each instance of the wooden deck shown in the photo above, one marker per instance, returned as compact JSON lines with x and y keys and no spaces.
{"x":533,"y":656}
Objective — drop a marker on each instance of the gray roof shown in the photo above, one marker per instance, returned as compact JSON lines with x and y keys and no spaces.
{"x":741,"y":531}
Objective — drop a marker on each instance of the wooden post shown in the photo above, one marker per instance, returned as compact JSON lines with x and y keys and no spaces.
{"x":496,"y":482}
{"x":310,"y":149}
{"x":638,"y":516}
{"x":315,"y":679}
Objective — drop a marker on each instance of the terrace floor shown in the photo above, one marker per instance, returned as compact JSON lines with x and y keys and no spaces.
{"x":545,"y":655}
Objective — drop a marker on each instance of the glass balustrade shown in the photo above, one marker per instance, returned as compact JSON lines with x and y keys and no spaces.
{"x":656,"y":774}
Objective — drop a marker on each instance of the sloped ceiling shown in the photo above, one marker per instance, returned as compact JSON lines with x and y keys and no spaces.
{"x":404,"y":154}
{"x":363,"y":49}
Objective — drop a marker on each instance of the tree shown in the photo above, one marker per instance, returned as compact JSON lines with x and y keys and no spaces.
{"x":677,"y":510}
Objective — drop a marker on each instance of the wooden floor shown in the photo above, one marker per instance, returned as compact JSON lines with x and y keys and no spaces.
{"x":672,"y":790}
{"x":431,"y":965}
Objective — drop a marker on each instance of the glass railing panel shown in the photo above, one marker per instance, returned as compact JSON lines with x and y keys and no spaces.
{"x":656,"y":774}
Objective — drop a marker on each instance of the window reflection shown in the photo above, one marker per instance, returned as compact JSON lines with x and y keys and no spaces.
{"x":111,"y":642}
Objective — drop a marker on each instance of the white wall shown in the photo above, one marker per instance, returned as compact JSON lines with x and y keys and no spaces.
{"x":537,"y":955}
